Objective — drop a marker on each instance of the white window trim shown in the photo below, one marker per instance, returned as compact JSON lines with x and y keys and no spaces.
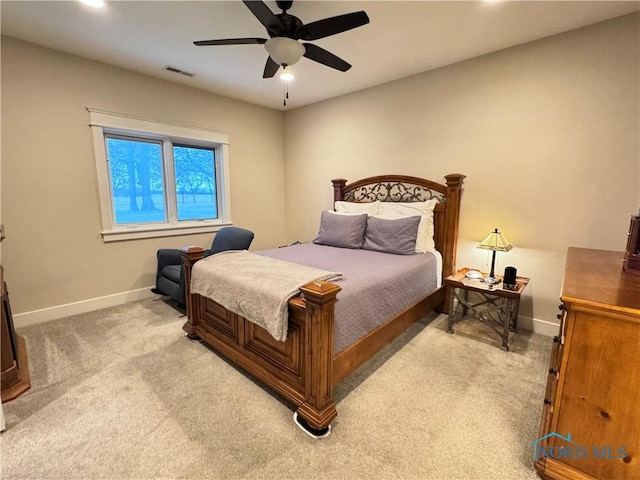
{"x":102,"y":120}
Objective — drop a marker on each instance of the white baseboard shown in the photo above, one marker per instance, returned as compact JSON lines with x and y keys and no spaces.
{"x":536,"y":325}
{"x":76,"y":308}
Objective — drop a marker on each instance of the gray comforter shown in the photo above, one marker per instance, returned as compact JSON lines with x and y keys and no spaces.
{"x":256,"y":287}
{"x":375,"y":286}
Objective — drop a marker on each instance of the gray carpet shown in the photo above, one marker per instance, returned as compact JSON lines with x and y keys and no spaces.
{"x":121,"y":394}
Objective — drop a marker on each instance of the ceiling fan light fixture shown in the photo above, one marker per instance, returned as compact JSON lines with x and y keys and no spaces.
{"x":287,"y":76}
{"x":284,"y":51}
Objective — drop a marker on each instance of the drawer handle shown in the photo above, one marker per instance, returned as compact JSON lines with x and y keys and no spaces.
{"x":562,"y":307}
{"x":627,"y":459}
{"x":547,"y":401}
{"x":556,"y":339}
{"x":604,"y":414}
{"x":553,"y":371}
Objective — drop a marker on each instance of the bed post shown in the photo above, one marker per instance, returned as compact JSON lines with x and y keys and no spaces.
{"x":318,"y":409}
{"x":338,"y":189}
{"x":452,"y":216}
{"x":191,"y":255}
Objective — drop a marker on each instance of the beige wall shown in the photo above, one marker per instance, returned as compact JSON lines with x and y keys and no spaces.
{"x":53,"y":253}
{"x":547,"y":134}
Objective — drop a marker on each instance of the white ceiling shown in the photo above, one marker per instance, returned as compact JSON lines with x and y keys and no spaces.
{"x":403,"y":38}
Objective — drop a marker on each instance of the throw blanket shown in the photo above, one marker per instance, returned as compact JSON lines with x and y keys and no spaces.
{"x":255,"y":287}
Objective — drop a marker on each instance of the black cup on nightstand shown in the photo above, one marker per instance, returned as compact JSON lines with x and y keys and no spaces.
{"x":509,"y":280}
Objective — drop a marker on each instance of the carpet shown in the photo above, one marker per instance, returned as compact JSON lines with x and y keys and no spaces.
{"x":121,"y":394}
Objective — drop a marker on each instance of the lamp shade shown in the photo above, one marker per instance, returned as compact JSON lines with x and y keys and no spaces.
{"x":495,"y":241}
{"x":284,"y":51}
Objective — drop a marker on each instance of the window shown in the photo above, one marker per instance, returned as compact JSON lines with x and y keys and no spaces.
{"x":136,"y":180}
{"x":159,"y":179}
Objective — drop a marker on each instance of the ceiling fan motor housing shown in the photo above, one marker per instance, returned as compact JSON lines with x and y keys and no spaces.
{"x":291,"y":26}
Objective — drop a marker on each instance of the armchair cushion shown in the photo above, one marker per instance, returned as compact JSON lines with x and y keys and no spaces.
{"x":172,"y":272}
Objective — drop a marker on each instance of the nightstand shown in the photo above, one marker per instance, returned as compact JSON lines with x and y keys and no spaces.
{"x":492,"y":304}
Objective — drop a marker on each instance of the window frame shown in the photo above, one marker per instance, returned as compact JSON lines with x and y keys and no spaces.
{"x":108,"y":123}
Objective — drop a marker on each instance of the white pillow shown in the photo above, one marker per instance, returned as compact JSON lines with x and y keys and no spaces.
{"x":392,"y":210}
{"x":354,"y":208}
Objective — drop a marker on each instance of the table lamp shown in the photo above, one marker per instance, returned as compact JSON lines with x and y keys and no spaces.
{"x":496,"y":242}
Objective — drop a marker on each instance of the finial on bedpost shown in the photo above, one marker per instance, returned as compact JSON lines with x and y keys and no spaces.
{"x":455,"y":179}
{"x":192,"y":254}
{"x":338,"y":188}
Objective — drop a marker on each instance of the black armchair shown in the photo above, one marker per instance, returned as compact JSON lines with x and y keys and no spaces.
{"x":170,"y":274}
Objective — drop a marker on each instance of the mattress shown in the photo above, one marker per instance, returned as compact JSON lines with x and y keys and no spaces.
{"x":375,"y":286}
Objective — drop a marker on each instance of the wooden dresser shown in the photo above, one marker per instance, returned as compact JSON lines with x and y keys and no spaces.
{"x":14,"y":369}
{"x":591,"y":417}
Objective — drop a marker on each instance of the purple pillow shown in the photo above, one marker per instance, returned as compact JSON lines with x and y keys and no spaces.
{"x":392,"y":236}
{"x":346,"y":231}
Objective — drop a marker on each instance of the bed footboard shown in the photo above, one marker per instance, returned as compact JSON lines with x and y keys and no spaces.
{"x":300,"y":368}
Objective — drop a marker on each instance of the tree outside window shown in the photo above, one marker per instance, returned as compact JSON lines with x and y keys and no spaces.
{"x":139,"y":196}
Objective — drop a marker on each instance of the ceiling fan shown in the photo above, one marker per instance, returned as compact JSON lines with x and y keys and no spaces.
{"x":285,"y":31}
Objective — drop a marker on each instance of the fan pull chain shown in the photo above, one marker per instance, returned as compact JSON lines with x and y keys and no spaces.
{"x":285,"y":93}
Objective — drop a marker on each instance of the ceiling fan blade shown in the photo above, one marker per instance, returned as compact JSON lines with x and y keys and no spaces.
{"x":231,"y":41}
{"x":265,"y":16}
{"x":332,"y":25}
{"x":320,"y":55}
{"x":270,"y":68}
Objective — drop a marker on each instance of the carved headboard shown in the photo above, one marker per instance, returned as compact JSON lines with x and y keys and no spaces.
{"x":402,"y":188}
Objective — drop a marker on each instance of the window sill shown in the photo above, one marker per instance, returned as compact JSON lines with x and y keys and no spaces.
{"x":147,"y":231}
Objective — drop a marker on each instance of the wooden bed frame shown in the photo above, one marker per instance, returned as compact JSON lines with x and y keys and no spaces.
{"x":303,"y":369}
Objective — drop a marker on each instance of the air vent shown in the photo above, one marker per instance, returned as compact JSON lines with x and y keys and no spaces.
{"x":178,"y":71}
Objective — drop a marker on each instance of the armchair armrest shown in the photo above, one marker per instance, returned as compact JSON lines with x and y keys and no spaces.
{"x":168,"y":256}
